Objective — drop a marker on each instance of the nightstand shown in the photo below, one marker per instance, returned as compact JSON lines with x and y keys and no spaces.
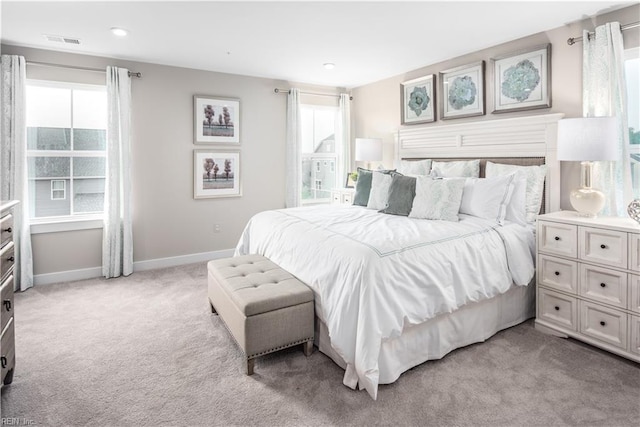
{"x":342,"y":196}
{"x":588,"y":280}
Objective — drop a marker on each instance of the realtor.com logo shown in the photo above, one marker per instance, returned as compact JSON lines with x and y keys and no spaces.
{"x":16,"y":422}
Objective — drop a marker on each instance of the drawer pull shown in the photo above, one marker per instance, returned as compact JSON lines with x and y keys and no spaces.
{"x":603,"y":323}
{"x":557,"y":273}
{"x":603,"y":285}
{"x":603,"y":246}
{"x":7,"y":304}
{"x":8,"y":230}
{"x":557,"y":308}
{"x":3,"y":361}
{"x":11,"y":259}
{"x":557,"y":238}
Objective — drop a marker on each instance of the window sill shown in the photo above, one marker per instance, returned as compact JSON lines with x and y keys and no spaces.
{"x":59,"y":225}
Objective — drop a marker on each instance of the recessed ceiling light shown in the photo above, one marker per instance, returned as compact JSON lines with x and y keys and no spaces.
{"x":329,"y":65}
{"x":120,"y":32}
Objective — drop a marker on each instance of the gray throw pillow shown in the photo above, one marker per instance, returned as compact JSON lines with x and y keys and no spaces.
{"x":363,"y":187}
{"x":401,"y":194}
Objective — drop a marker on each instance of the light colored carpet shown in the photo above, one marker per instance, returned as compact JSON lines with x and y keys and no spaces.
{"x":145,"y":350}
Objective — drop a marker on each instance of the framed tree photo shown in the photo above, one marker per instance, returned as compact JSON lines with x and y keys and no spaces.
{"x":522,"y":80}
{"x":417,"y":98}
{"x":462,"y":91}
{"x":216,"y":174}
{"x":216,"y":120}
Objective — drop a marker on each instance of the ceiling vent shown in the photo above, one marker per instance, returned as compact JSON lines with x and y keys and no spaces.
{"x":61,"y":39}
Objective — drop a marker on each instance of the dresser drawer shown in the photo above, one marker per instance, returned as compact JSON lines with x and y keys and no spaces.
{"x":7,"y":258}
{"x":603,"y":246}
{"x":604,"y":285}
{"x":560,"y":239}
{"x":558,"y":273}
{"x":347,"y":198}
{"x":557,"y":308}
{"x":336,"y":198}
{"x":7,"y":301}
{"x":604,"y":324}
{"x":6,"y":229}
{"x":634,"y":252}
{"x":635,"y":334}
{"x":634,"y":293}
{"x":8,"y":349}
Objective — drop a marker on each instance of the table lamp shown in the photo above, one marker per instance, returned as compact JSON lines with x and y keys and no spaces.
{"x":587,"y":139}
{"x":368,"y":150}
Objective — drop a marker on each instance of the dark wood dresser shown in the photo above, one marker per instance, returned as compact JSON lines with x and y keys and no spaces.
{"x":7,"y":261}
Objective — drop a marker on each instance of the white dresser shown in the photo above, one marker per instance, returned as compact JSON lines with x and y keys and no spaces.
{"x":342,"y":195}
{"x":588,"y":275}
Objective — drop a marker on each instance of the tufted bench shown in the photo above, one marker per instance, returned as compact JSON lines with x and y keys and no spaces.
{"x":264,"y":307}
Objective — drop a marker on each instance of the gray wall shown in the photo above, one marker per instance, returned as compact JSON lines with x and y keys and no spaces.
{"x":167,"y":221}
{"x":376,"y":107}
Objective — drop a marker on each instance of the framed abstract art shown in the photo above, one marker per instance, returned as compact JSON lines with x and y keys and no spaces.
{"x":417,"y":98}
{"x":462,"y":91}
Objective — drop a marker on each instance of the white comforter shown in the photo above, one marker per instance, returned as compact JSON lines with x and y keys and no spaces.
{"x":374,"y":273}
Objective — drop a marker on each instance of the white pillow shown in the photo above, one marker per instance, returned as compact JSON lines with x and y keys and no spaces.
{"x":457,"y":169}
{"x":415,"y":167}
{"x":379,"y":195}
{"x":535,"y":184}
{"x":437,"y":198}
{"x":487,"y":197}
{"x":517,"y":207}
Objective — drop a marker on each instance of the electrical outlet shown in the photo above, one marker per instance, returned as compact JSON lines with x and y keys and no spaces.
{"x":216,"y":228}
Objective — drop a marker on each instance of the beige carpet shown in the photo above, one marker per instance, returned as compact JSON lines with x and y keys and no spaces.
{"x":145,"y":350}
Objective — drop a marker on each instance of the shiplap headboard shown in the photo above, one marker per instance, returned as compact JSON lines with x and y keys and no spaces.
{"x":531,"y":136}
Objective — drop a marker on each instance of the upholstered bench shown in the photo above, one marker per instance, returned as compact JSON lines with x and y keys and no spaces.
{"x":265,"y":308}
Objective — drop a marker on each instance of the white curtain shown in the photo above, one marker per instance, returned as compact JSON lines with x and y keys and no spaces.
{"x":294,"y":151}
{"x":14,"y":181}
{"x":604,"y":94}
{"x":117,"y":237}
{"x":344,"y":138}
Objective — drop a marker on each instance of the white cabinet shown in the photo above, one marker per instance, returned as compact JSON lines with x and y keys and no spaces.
{"x":588,"y":280}
{"x":342,"y":196}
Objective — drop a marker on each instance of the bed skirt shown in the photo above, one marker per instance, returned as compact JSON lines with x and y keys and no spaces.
{"x":472,"y":323}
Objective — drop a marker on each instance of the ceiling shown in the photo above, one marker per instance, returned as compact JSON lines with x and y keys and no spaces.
{"x":367,"y":41}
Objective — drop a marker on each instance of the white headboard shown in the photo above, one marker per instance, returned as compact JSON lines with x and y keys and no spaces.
{"x":531,"y":136}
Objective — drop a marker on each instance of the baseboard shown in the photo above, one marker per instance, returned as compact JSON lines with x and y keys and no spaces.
{"x":151,"y":264}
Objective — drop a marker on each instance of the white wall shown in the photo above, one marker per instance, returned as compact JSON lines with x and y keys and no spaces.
{"x":376,"y":106}
{"x":167,"y":221}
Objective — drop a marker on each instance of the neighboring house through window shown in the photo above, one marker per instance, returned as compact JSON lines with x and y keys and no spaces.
{"x":66,"y":149}
{"x":319,"y":155}
{"x":632,"y":77}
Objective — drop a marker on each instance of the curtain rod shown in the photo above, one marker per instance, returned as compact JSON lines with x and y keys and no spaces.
{"x":73,"y":67}
{"x":276,"y":90}
{"x":573,"y":40}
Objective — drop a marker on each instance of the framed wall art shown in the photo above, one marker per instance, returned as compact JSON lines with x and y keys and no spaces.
{"x":216,"y":120}
{"x":216,"y":174}
{"x":462,"y":91}
{"x":417,"y":98}
{"x":522,"y":80}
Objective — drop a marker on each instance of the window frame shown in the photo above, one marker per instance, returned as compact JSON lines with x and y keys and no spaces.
{"x":633,"y":53}
{"x":63,"y":189}
{"x":74,"y":221}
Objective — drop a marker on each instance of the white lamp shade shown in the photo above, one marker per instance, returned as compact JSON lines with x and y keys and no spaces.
{"x":587,"y":139}
{"x":368,"y":149}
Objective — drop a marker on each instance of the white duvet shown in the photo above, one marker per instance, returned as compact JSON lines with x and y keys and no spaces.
{"x":375,"y":273}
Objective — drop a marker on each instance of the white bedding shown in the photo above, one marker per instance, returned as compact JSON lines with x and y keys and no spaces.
{"x":372,"y":273}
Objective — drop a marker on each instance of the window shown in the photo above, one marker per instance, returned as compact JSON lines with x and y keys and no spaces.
{"x":319,"y":156}
{"x":632,"y":77}
{"x":66,"y":149}
{"x":58,"y":189}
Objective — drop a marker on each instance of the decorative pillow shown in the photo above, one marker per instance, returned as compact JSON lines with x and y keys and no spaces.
{"x":363,"y":187}
{"x":380,"y":184}
{"x":415,"y":167}
{"x":487,"y":197}
{"x":535,"y":184}
{"x":401,"y":194}
{"x":437,"y":198}
{"x":457,"y":169}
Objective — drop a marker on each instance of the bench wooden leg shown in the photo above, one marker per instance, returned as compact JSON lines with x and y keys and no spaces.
{"x":250,"y":366}
{"x":308,"y":348}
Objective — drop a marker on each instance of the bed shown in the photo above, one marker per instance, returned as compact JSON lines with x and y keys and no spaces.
{"x":380,"y":308}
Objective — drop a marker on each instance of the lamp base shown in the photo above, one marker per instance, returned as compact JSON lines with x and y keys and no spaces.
{"x":587,"y":201}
